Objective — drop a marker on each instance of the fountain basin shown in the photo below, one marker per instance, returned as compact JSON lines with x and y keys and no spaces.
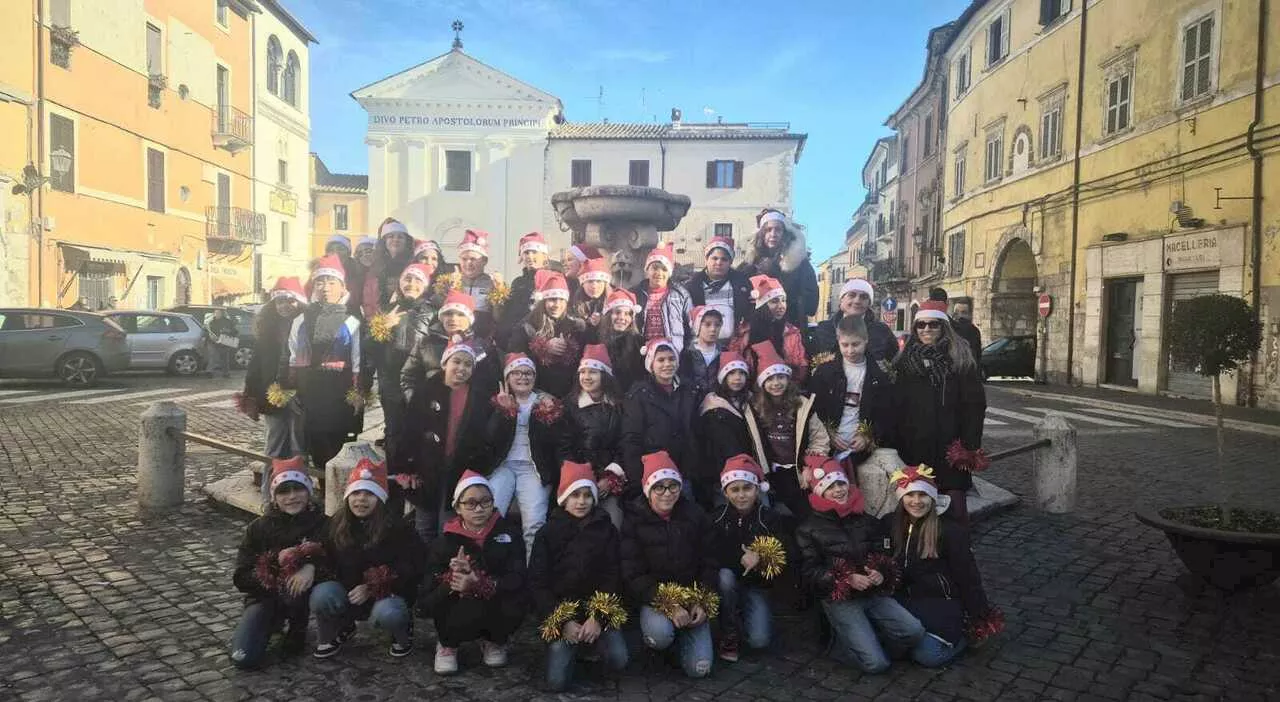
{"x":633,"y":204}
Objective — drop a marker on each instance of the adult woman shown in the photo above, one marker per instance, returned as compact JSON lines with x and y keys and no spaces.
{"x":781,"y":251}
{"x":941,"y":404}
{"x":617,"y":331}
{"x":550,"y":335}
{"x":593,"y":428}
{"x":394,"y":251}
{"x":769,"y":323}
{"x":664,"y":306}
{"x":392,"y":335}
{"x":284,"y":424}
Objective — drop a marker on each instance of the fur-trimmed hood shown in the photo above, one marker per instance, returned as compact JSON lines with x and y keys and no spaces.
{"x":795,"y":248}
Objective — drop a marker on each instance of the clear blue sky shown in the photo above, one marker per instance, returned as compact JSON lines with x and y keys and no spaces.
{"x":834,"y":69}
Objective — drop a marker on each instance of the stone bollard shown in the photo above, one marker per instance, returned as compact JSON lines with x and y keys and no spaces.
{"x":161,"y":457}
{"x":340,"y":466}
{"x":1055,"y":466}
{"x":873,"y":481}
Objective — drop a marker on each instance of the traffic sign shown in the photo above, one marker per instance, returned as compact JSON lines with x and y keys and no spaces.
{"x":889,"y":316}
{"x":1045,"y":304}
{"x":889,"y":304}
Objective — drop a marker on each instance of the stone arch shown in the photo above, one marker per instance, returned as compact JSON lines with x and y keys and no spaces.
{"x":1014,"y":279}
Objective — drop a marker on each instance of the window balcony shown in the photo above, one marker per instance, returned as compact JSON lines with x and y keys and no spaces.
{"x":235,"y":225}
{"x":232,"y":129}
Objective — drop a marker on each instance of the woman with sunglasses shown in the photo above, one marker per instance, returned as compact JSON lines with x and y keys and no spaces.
{"x":940,"y":400}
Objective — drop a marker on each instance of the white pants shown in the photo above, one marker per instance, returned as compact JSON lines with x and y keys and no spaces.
{"x":520,"y":480}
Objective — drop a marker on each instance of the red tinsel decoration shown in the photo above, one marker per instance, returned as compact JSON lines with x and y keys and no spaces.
{"x":540,"y":348}
{"x":245,"y":404}
{"x":298,"y":556}
{"x":989,"y":625}
{"x":548,"y":410}
{"x":841,"y":589}
{"x":378,"y":579}
{"x":961,"y":458}
{"x":614,"y":482}
{"x":266,"y":569}
{"x":484,"y":587}
{"x":887,"y":567}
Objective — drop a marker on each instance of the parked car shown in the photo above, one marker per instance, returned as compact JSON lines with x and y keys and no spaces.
{"x":163,"y":340}
{"x":79,"y":348}
{"x":243,"y":318}
{"x":1010,"y":356}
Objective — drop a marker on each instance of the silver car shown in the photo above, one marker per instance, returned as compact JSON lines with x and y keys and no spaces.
{"x":77,"y":347}
{"x":163,"y":341}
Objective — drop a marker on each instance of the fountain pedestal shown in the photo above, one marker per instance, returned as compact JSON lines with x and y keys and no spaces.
{"x":622,"y":221}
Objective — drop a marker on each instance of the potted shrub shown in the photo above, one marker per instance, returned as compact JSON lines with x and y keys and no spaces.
{"x":1231,"y":548}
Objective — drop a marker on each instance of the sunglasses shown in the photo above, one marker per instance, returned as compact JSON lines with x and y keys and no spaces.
{"x":933,"y":324}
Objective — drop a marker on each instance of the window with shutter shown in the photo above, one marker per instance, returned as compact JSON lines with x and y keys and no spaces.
{"x":292,"y":75}
{"x":62,"y":137}
{"x":724,"y":174}
{"x":282,"y":172}
{"x":998,"y":39}
{"x":1118,"y":104}
{"x":340,"y":217}
{"x":738,"y":168}
{"x":639,"y":173}
{"x":958,"y":177}
{"x":962,"y":71}
{"x":579,"y":173}
{"x":154,"y":66}
{"x":275,"y":62}
{"x":906,"y":155}
{"x":955,"y":256}
{"x":927,"y":146}
{"x":155,"y":180}
{"x":1197,"y":58}
{"x":723,"y":229}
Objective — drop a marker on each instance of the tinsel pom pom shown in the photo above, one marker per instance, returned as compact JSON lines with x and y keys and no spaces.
{"x":380,"y":327}
{"x":562,"y":614}
{"x":698,"y":596}
{"x":607,"y":609}
{"x":773,"y":557}
{"x":378,"y":579}
{"x":277,"y":396}
{"x":265,"y":570}
{"x":669,"y":597}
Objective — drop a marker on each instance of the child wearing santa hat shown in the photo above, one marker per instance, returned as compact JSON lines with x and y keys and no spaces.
{"x":575,"y":578}
{"x":593,"y":427}
{"x":669,"y":566}
{"x":473,"y":256}
{"x":533,"y":252}
{"x":476,"y":578}
{"x":550,"y":335}
{"x":664,"y":305}
{"x":722,"y":416}
{"x":751,"y":556}
{"x":842,"y":562}
{"x":784,"y":428}
{"x":587,"y":297}
{"x":854,"y":395}
{"x":276,"y":565}
{"x":769,"y":323}
{"x":283,"y":419}
{"x":940,"y":582}
{"x":375,"y":560}
{"x":617,"y":331}
{"x":428,"y":253}
{"x":700,"y":361}
{"x":389,"y":338}
{"x":658,"y":415}
{"x":857,"y":299}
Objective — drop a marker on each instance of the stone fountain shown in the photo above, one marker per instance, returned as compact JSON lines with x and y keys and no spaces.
{"x":622,"y":221}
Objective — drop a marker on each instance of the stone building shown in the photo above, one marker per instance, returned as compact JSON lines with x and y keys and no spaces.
{"x":339,"y":205}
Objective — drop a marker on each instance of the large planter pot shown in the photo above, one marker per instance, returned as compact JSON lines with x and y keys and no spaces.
{"x":1230,"y":560}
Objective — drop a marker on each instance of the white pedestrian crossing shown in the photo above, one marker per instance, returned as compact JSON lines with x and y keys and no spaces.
{"x":28,"y":399}
{"x":1158,"y":421}
{"x":1010,"y":414}
{"x":994,"y":422}
{"x":5,"y":393}
{"x":1083,"y":417}
{"x":126,"y":396}
{"x":192,"y":398}
{"x":220,"y":404}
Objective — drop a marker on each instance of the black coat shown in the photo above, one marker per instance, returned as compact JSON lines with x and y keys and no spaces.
{"x":421,"y":449}
{"x":680,"y":549}
{"x":555,"y":376}
{"x":423,"y":362}
{"x":501,"y":558}
{"x":742,"y":305}
{"x":573,"y":559}
{"x":930,"y":418}
{"x":735,"y":530}
{"x":271,"y":533}
{"x":945,"y":591}
{"x":515,"y":308}
{"x":824,"y":537}
{"x":876,"y":406}
{"x":968,"y":331}
{"x":400,"y":550}
{"x":627,"y":358}
{"x":656,"y":420}
{"x":546,"y":424}
{"x":722,"y":431}
{"x":695,"y":372}
{"x":882,"y":344}
{"x":391,"y":356}
{"x":270,"y":360}
{"x":592,"y":434}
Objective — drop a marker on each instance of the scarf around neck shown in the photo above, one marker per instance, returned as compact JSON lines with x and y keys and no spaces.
{"x":932,"y":361}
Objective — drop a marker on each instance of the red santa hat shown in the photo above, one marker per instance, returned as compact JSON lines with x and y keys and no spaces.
{"x":595,"y":269}
{"x":743,"y":467}
{"x":664,"y":254}
{"x":858,"y":285}
{"x":919,"y":478}
{"x":620,"y":298}
{"x":330,"y":266}
{"x":458,"y":301}
{"x":596,"y":357}
{"x":652,"y":348}
{"x":768,"y":362}
{"x":289,"y":287}
{"x":516,"y":360}
{"x":290,"y":470}
{"x":418,"y":270}
{"x":723,"y":243}
{"x":574,"y":476}
{"x":390,"y":227}
{"x":658,"y":466}
{"x":469,"y":478}
{"x":932,"y":309}
{"x":422,"y":246}
{"x":583,"y":252}
{"x":820,"y":473}
{"x":731,"y":361}
{"x":766,"y":288}
{"x":697,"y":313}
{"x":550,"y":285}
{"x":368,"y":476}
{"x":456,"y":347}
{"x":476,"y":241}
{"x":533,"y":241}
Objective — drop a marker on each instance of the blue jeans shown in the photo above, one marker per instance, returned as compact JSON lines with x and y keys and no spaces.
{"x":744,"y":611}
{"x":259,"y":621}
{"x":694,"y":643}
{"x":333,"y":612}
{"x":856,"y":623}
{"x":933,"y":652}
{"x":562,"y":656}
{"x":520,"y":480}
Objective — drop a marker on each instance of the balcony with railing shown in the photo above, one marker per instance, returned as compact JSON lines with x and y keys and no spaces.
{"x":232,"y":128}
{"x":234,"y":225}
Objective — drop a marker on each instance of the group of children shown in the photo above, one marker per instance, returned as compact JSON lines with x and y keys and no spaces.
{"x":682,"y":493}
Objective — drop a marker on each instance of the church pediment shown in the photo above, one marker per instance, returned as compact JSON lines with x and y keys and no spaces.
{"x":453,"y":78}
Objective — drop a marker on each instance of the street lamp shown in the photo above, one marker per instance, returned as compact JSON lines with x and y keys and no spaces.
{"x":59,"y":160}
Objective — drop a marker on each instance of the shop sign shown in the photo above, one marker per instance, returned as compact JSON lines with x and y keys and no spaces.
{"x":1191,"y":251}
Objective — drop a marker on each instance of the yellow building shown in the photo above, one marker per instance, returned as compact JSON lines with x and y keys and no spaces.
{"x":1117,"y":183}
{"x":17,"y":132}
{"x":339,"y":205}
{"x":142,"y":123}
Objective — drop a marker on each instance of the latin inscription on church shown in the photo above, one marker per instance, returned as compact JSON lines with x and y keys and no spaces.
{"x":429,"y":121}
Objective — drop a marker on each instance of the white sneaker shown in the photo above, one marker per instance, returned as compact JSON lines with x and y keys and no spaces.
{"x":446,"y":660}
{"x":495,"y":656}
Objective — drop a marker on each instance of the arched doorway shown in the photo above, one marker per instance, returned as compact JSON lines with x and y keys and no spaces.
{"x":1013,"y":296}
{"x":182,"y":293}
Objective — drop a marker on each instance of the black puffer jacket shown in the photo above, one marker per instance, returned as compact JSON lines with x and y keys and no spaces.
{"x":722,"y":431}
{"x":945,"y":591}
{"x":400,"y":550}
{"x":555,"y":375}
{"x":593,"y":434}
{"x":654,"y":419}
{"x":930,"y":417}
{"x":421,"y":449}
{"x":824,"y":537}
{"x":269,"y":534}
{"x":391,"y":356}
{"x":967,"y":330}
{"x":875,"y":406}
{"x":881,"y":343}
{"x":423,"y":360}
{"x":680,"y":549}
{"x":695,"y":372}
{"x":501,"y":558}
{"x":270,"y":360}
{"x":735,"y":530}
{"x":546,"y":424}
{"x":627,"y":358}
{"x":516,"y":308}
{"x":573,"y":559}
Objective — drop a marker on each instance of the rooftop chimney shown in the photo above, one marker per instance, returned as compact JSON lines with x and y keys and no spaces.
{"x":675,"y":116}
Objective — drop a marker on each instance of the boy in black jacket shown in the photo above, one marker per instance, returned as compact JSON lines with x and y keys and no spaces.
{"x":854,"y":395}
{"x":576,"y":581}
{"x":751,"y":555}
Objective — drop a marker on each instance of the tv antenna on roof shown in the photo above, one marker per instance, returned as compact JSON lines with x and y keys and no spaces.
{"x":599,"y":100}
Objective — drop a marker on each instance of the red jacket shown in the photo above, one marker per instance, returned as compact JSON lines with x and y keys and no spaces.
{"x":792,"y":350}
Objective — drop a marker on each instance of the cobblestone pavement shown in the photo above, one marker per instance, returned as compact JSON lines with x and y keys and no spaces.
{"x":100,"y":602}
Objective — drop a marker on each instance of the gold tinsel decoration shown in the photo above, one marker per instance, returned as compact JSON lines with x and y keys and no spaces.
{"x":696,"y":596}
{"x":447,"y":282}
{"x":773,"y":557}
{"x":380,"y":327}
{"x":607,"y":609}
{"x":563,"y":613}
{"x":278,"y":396}
{"x":668,"y":598}
{"x":820,"y":358}
{"x":358,"y":399}
{"x":864,"y":429}
{"x":500,"y":291}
